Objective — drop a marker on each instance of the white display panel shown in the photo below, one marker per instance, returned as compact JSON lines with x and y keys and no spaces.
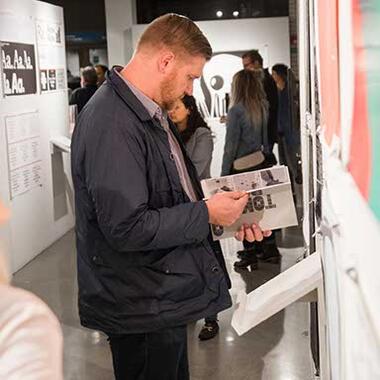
{"x":34,"y":183}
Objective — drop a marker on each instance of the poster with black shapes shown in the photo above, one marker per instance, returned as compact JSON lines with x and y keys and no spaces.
{"x":52,"y":80}
{"x":44,"y":81}
{"x":18,"y":68}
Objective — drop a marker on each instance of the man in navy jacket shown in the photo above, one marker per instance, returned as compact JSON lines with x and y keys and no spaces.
{"x":146,"y":266}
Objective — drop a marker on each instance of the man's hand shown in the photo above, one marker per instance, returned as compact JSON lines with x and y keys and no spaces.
{"x":251,"y":233}
{"x":226,"y":208}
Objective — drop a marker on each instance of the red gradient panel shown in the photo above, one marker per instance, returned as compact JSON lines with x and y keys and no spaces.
{"x":359,"y":164}
{"x":329,"y":67}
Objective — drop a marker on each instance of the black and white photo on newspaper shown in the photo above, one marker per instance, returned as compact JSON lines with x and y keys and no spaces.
{"x":270,"y":203}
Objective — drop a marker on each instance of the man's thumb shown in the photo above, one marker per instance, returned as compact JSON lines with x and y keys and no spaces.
{"x":242,"y":201}
{"x":235,"y":194}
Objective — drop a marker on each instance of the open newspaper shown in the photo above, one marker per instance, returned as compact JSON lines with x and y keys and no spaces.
{"x":270,"y":203}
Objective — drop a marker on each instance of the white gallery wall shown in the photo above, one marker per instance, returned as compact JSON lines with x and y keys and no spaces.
{"x":35,"y":179}
{"x":72,"y":60}
{"x":119,"y":21}
{"x":269,"y":35}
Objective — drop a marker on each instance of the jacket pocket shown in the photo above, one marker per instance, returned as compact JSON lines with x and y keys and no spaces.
{"x":180,"y":277}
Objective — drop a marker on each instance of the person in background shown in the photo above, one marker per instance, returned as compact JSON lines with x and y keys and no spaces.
{"x":73,"y":82}
{"x":30,"y":336}
{"x":246,"y":135}
{"x":82,"y":95}
{"x":252,"y":60}
{"x":195,"y":134}
{"x":288,"y":138}
{"x":101,"y":72}
{"x":197,"y":137}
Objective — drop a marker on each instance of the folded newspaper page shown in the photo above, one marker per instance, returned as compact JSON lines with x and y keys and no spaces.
{"x":270,"y":203}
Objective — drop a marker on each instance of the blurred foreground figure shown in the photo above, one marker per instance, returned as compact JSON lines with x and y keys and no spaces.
{"x":30,"y":335}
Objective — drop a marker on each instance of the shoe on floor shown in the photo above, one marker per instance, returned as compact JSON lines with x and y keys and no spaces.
{"x":209,"y":330}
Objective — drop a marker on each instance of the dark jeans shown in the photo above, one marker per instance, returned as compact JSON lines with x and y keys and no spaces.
{"x":159,"y":355}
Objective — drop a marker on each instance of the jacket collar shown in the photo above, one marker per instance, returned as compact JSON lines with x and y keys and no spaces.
{"x":122,"y":89}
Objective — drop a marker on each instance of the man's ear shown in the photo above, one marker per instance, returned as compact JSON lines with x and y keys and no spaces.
{"x":165,"y":61}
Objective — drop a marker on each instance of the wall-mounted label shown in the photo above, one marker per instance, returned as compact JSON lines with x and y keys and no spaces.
{"x":19,"y":68}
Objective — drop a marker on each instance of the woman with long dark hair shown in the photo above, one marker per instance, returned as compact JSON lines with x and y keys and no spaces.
{"x":246,"y":120}
{"x":195,"y":134}
{"x":197,"y":137}
{"x":246,"y":145}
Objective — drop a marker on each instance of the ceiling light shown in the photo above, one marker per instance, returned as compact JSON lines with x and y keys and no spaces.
{"x":235,"y":13}
{"x":219,"y":14}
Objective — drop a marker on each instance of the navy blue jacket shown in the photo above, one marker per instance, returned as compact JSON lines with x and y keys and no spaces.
{"x":145,"y":259}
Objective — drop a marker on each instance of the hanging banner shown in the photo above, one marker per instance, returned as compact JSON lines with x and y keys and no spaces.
{"x":18,"y":68}
{"x":328,"y":68}
{"x":364,"y":161}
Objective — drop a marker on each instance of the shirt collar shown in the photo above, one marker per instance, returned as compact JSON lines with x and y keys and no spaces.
{"x":154,"y":110}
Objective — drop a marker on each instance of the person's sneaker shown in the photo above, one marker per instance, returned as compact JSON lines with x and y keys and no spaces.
{"x":246,"y":262}
{"x":209,"y":330}
{"x":257,"y":250}
{"x":271,"y":254}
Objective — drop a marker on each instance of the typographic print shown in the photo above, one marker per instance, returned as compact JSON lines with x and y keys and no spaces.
{"x":19,"y":68}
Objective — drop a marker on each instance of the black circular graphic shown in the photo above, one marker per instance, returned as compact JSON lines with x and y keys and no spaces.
{"x":216,"y":82}
{"x":258,"y":203}
{"x":218,"y":230}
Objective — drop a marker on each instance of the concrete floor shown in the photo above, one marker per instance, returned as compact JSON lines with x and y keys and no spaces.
{"x":277,"y":349}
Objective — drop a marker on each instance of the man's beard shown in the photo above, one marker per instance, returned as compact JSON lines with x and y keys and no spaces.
{"x":167,"y":92}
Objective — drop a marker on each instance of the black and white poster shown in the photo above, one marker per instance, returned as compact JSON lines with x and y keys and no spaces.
{"x":52,"y":80}
{"x":19,"y":68}
{"x":49,"y":33}
{"x":44,"y":81}
{"x":270,"y":200}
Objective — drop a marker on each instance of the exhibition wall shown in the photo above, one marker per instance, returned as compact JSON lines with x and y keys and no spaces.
{"x":341,"y":134}
{"x":269,"y":35}
{"x":35,"y":176}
